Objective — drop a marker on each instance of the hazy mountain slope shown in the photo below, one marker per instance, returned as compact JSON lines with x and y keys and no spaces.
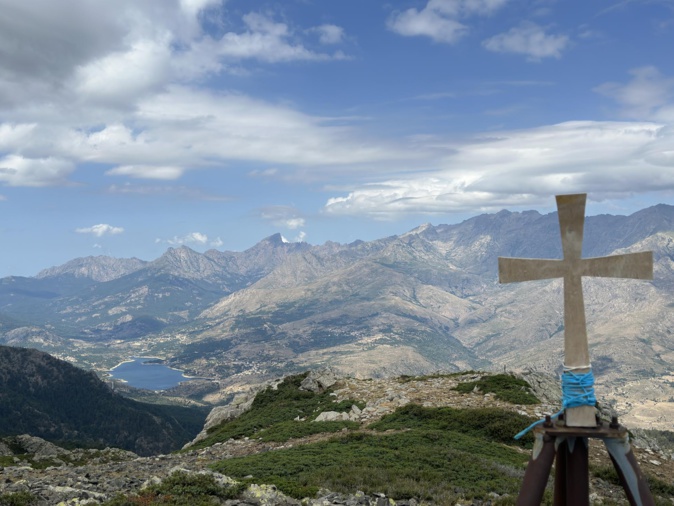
{"x":425,"y":300}
{"x":360,"y":310}
{"x":430,"y":299}
{"x":630,"y":322}
{"x":46,"y":397}
{"x":23,"y":299}
{"x":98,"y":268}
{"x":102,"y":298}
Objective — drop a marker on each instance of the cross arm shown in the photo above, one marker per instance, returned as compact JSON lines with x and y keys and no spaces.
{"x":512,"y":270}
{"x":631,"y":265}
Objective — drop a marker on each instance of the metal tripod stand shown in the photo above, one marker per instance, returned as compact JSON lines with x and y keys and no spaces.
{"x":570,"y":446}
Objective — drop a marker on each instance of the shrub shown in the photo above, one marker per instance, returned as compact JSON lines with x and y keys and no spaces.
{"x":283,"y":431}
{"x":17,"y":499}
{"x":274,"y":411}
{"x":657,"y":486}
{"x":431,"y":461}
{"x":181,"y":489}
{"x":506,"y":388}
{"x":493,"y":424}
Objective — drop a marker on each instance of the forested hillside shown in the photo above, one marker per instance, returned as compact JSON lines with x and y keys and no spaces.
{"x":46,"y":397}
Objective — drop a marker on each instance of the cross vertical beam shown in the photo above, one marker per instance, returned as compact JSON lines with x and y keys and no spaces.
{"x":571,"y":212}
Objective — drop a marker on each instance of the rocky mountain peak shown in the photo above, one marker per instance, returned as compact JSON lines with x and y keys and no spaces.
{"x":184,"y":261}
{"x":418,"y":230}
{"x":274,"y":240}
{"x":96,"y":268}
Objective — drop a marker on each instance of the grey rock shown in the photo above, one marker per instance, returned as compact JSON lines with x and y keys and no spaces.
{"x":330,"y":416}
{"x":39,"y":447}
{"x":267,"y":495}
{"x":5,"y":451}
{"x":546,"y":387}
{"x":220,"y":414}
{"x":320,"y":380}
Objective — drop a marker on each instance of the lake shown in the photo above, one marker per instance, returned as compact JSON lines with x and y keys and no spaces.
{"x":140,"y":374}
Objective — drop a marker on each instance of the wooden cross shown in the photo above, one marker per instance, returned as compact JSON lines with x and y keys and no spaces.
{"x":571,"y":210}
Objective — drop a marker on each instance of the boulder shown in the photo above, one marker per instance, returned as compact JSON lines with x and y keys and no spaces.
{"x":39,"y":447}
{"x":546,"y":387}
{"x":320,"y":380}
{"x":220,"y":414}
{"x":267,"y":495}
{"x":331,"y":416}
{"x":5,"y":451}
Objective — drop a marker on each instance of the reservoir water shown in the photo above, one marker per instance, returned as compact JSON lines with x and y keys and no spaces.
{"x":141,"y":372}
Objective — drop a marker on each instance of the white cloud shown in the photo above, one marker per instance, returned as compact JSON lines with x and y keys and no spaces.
{"x":194,"y":238}
{"x":42,"y":39}
{"x":521,"y":167}
{"x":301,"y":237}
{"x":166,"y":172}
{"x":13,"y":136}
{"x":329,"y":34}
{"x":16,"y":170}
{"x":266,"y":173}
{"x":268,"y":41}
{"x":429,"y":23}
{"x":166,"y":190}
{"x":117,"y":76}
{"x":100,"y":230}
{"x":294,"y":223}
{"x":649,"y":95}
{"x":465,"y":7}
{"x":439,"y":19}
{"x":283,"y":216}
{"x":191,"y":238}
{"x":89,"y":88}
{"x":528,"y":39}
{"x":194,"y":7}
{"x":181,"y":129}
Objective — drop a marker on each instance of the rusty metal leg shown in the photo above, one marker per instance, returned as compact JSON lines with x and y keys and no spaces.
{"x":625,"y":463}
{"x":577,"y":478}
{"x":560,"y":473}
{"x":538,"y":471}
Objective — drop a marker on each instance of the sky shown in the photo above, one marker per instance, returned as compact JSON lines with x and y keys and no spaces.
{"x":132,"y":126}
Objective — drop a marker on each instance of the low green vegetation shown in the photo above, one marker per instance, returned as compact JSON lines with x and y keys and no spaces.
{"x":17,"y":499}
{"x":506,"y":387}
{"x":182,"y":489}
{"x":662,"y":491}
{"x":438,"y":454}
{"x":492,"y":424}
{"x":283,"y":413}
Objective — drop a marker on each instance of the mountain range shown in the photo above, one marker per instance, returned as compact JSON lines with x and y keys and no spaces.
{"x":423,"y":301}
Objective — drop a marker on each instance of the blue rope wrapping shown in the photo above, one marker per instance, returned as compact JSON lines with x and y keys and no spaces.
{"x":577,"y":390}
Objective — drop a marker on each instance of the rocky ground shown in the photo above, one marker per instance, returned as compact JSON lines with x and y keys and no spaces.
{"x":60,"y":477}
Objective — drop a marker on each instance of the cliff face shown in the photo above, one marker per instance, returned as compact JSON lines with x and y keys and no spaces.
{"x":46,"y":397}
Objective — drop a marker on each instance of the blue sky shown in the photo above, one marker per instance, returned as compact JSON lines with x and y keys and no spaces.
{"x":131,"y":126}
